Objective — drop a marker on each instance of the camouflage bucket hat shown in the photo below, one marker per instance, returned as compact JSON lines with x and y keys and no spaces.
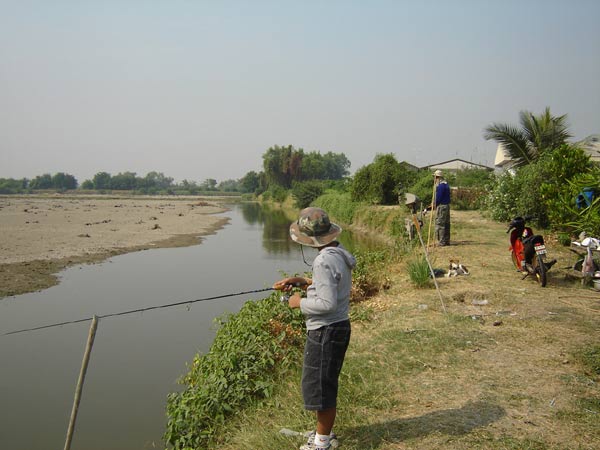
{"x":314,"y":228}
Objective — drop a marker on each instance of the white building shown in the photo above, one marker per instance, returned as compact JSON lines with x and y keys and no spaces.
{"x":591,"y":145}
{"x":456,"y":164}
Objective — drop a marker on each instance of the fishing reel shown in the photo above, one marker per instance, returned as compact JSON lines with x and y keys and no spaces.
{"x":296,"y":287}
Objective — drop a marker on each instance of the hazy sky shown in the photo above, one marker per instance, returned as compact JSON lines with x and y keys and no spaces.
{"x":201,"y":89}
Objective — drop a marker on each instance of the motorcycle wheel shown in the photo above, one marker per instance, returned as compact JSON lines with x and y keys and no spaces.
{"x":540,"y":270}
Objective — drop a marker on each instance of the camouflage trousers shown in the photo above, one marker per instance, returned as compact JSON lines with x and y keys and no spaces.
{"x":442,"y":224}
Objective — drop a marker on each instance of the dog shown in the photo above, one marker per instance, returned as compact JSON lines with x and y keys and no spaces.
{"x":456,"y":268}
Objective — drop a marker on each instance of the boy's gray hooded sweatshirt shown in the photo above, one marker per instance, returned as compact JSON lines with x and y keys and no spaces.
{"x":327,"y":299}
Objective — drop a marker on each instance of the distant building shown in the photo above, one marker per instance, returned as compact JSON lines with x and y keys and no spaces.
{"x":503,"y":160}
{"x":409,"y":166}
{"x":591,"y":145}
{"x":456,"y":164}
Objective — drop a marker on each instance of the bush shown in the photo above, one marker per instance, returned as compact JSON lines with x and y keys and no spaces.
{"x":381,"y":181}
{"x":305,"y":192}
{"x":275,"y":193}
{"x":338,"y":205}
{"x":251,"y":349}
{"x":543,"y":189}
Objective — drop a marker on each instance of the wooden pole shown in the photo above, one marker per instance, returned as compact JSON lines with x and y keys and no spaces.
{"x":79,"y":389}
{"x":431,"y":216}
{"x":437,"y":288}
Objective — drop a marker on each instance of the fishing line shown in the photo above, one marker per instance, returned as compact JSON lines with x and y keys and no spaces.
{"x":149,"y":308}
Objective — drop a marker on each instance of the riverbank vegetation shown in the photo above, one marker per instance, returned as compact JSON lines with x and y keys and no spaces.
{"x":253,"y":354}
{"x":510,"y":365}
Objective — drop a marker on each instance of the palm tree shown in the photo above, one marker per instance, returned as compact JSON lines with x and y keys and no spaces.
{"x":535,"y":136}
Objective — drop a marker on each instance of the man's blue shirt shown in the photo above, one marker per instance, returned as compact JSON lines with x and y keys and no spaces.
{"x":442,"y":194}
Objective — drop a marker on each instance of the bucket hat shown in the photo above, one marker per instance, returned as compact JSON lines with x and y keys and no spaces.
{"x":313,"y":228}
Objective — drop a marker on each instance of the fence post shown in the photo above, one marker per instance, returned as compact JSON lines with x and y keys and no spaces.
{"x":79,"y":389}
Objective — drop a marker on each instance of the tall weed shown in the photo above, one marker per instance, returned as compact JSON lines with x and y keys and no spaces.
{"x":418,"y":271}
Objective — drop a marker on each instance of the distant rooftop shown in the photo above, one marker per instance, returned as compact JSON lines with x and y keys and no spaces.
{"x":456,"y":164}
{"x":591,"y":145}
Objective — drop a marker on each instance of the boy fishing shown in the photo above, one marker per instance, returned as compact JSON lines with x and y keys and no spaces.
{"x":325,"y":307}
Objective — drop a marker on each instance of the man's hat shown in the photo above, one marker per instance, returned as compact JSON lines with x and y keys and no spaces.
{"x":314,"y":228}
{"x":437,"y":173}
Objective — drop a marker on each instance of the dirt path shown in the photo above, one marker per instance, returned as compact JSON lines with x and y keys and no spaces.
{"x":42,"y":235}
{"x":518,"y":382}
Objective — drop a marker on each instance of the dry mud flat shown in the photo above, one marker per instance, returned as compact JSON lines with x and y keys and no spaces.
{"x":42,"y":235}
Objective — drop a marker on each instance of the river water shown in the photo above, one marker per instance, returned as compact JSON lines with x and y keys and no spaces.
{"x":136,"y":359}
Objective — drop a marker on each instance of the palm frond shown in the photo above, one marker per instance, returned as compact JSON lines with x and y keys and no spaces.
{"x":512,"y":139}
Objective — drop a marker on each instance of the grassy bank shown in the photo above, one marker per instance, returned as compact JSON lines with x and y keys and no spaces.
{"x":519,"y":371}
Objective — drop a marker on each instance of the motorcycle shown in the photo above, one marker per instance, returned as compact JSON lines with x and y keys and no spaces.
{"x":587,"y":265}
{"x":528,"y":251}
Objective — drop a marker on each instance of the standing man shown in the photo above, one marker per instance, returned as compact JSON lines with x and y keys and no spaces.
{"x":442,"y":209}
{"x":325,"y":308}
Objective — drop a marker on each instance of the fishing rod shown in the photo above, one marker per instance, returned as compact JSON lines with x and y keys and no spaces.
{"x":139,"y":310}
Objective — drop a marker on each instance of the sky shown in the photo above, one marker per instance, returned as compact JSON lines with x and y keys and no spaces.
{"x":201,"y":89}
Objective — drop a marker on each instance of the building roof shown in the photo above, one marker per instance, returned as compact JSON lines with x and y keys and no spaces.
{"x":591,"y":145}
{"x":456,"y":164}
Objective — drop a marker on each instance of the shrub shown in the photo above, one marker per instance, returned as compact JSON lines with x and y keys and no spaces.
{"x":541,"y":189}
{"x":275,"y":193}
{"x":251,"y":349}
{"x":338,"y":205}
{"x":381,"y":181}
{"x":305,"y":192}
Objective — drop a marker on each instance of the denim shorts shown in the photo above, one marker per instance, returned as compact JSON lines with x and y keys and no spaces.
{"x":323,"y":358}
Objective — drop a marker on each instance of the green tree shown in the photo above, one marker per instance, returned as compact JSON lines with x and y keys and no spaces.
{"x":154,"y":182}
{"x":102,"y":180}
{"x":12,"y":186}
{"x":336,"y":166}
{"x":313,"y":166}
{"x":42,"y":182}
{"x":535,"y":136}
{"x":381,"y":181}
{"x":62,"y":180}
{"x":210,"y":184}
{"x":229,"y":186}
{"x":282,"y":165}
{"x":87,"y":184}
{"x":250,"y":182}
{"x":124,"y":181}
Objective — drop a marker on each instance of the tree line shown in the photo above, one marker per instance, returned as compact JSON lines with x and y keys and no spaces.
{"x":282,"y":166}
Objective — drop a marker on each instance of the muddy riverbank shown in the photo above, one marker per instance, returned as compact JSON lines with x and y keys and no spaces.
{"x":40,"y":236}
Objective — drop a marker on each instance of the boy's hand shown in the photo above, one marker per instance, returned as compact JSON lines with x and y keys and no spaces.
{"x":287,"y":284}
{"x":294,"y":301}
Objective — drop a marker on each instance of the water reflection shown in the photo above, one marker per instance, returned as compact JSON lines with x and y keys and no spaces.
{"x":275,"y":231}
{"x":275,"y":223}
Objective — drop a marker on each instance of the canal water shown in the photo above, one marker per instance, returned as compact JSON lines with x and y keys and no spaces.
{"x":136,"y":359}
